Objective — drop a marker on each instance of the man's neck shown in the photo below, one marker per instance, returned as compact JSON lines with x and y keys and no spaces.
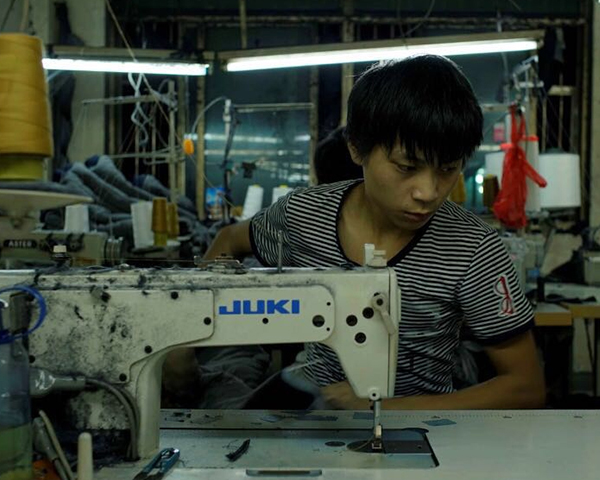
{"x":371,"y":218}
{"x":360,"y":223}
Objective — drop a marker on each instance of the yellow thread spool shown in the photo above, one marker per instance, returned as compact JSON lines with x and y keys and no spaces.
{"x":172,"y":220}
{"x":25,"y":126}
{"x":159,"y":221}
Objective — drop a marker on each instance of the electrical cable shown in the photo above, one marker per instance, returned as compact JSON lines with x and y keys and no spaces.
{"x":62,"y":473}
{"x":271,"y":377}
{"x":56,"y":445}
{"x":204,"y":110}
{"x":41,"y":304}
{"x":129,"y":412}
{"x":423,"y":20}
{"x":5,"y":19}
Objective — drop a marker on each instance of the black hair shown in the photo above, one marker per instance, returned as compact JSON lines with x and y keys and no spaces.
{"x":333,"y":162}
{"x":424,"y":101}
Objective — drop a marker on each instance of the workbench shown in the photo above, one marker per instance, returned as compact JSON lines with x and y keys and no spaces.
{"x":468,"y":445}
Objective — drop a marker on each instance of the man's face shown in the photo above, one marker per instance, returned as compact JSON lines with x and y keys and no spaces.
{"x":407,"y":191}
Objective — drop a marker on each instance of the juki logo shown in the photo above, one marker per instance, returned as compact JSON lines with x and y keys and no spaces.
{"x":261,"y":307}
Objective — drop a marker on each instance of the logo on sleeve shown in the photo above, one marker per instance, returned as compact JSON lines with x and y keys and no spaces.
{"x":502,"y":289}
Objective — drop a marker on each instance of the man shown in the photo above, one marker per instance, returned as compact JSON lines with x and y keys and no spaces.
{"x":411,"y":126}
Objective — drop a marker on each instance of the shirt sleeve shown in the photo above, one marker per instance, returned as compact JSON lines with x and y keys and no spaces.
{"x":264,"y":233}
{"x":491,"y":296}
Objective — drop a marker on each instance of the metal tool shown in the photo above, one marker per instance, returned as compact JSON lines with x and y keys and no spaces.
{"x":163,"y":461}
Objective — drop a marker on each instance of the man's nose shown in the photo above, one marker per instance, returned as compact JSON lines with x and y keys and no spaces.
{"x":425,"y":189}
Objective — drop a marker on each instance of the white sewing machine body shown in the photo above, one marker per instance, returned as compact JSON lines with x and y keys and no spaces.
{"x":118,"y":325}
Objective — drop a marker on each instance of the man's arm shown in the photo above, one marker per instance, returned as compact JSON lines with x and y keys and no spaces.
{"x":232,"y":240}
{"x":519,"y":384}
{"x":180,"y":370}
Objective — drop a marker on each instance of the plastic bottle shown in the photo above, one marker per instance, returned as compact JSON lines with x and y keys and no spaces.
{"x":15,"y":408}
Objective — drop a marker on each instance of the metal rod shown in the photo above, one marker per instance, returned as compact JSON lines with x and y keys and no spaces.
{"x":172,"y":148}
{"x":544,"y":132}
{"x":126,"y":100}
{"x":561,"y":112}
{"x":279,"y":251}
{"x":243,"y":24}
{"x":269,"y":20}
{"x":271,"y":107}
{"x":377,"y":443}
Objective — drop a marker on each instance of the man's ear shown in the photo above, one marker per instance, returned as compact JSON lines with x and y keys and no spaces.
{"x":356,"y":158}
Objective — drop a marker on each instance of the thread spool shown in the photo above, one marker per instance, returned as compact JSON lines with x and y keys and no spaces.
{"x":77,"y":219}
{"x":491,"y":187}
{"x":253,"y":201}
{"x":172,"y":221}
{"x":25,"y":125}
{"x":459,"y":192}
{"x":141,"y":218}
{"x":562,"y":171}
{"x":159,"y":221}
{"x":280,"y":191}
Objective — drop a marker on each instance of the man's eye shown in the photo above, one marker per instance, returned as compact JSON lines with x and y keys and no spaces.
{"x":405,"y":168}
{"x":449,"y":168}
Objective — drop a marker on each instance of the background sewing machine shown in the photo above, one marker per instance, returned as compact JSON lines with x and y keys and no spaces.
{"x":24,"y":243}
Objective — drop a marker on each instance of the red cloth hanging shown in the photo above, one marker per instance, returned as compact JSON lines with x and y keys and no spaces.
{"x":509,"y":206}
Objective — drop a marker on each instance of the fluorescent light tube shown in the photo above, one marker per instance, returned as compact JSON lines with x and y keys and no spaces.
{"x":370,"y":52}
{"x":116,"y":66}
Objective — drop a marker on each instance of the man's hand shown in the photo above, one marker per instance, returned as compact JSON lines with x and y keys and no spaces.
{"x":341,"y":396}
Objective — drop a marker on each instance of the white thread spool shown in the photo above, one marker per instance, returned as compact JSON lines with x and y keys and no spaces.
{"x":253,"y":201}
{"x":141,"y":218}
{"x":279,"y":192}
{"x":77,"y":219}
{"x":562,"y":171}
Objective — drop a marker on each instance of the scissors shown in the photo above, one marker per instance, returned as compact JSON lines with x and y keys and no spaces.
{"x":163,"y":461}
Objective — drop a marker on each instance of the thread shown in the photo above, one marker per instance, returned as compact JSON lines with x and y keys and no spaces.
{"x":172,"y":221}
{"x":562,"y":171}
{"x":77,"y":219}
{"x":25,"y":125}
{"x":253,"y":201}
{"x":159,"y":221}
{"x":141,"y":218}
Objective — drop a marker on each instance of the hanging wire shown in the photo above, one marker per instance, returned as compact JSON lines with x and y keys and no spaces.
{"x":423,"y":20}
{"x":152,"y":91}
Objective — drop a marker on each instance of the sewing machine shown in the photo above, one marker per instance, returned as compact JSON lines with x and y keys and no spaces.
{"x":117,"y":325}
{"x":24,"y":242}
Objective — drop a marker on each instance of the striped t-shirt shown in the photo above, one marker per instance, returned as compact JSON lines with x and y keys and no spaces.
{"x":455,"y":272}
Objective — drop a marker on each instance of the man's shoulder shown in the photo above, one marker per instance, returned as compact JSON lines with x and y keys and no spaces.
{"x":318,"y":191}
{"x":457,"y":221}
{"x":327,"y":194}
